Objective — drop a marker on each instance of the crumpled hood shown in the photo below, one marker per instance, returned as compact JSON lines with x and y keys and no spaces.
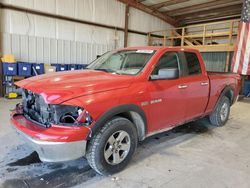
{"x":62,"y":86}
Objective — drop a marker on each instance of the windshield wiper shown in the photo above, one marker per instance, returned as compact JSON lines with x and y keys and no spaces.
{"x":107,"y":70}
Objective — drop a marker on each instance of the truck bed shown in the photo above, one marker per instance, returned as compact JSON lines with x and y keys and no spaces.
{"x":218,"y":81}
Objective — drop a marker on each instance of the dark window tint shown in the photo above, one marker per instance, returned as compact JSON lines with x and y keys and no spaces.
{"x":193,"y":63}
{"x":168,"y":60}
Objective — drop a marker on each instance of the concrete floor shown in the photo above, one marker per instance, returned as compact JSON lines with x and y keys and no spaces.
{"x":192,"y":155}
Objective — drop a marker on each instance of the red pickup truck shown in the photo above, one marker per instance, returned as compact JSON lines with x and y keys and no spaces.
{"x":122,"y":97}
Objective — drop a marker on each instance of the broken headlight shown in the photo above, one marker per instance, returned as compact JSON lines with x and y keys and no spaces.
{"x":70,"y":115}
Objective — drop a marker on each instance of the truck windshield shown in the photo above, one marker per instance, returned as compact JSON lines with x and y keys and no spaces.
{"x":129,"y":62}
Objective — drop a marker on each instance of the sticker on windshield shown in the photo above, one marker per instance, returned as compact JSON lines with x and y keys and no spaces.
{"x":145,"y":51}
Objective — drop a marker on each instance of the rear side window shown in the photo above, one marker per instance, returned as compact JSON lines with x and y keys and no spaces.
{"x":193,"y":63}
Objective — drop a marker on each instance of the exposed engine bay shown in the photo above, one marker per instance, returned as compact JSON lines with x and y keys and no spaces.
{"x":37,"y":110}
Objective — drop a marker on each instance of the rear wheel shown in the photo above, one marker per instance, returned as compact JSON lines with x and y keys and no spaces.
{"x":221,"y":113}
{"x":111,"y":149}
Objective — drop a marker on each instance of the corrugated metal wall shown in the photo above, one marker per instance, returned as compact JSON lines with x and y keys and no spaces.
{"x":49,"y":50}
{"x":215,"y":61}
{"x":40,"y":39}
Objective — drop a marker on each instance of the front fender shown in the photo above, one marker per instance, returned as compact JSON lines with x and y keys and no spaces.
{"x":96,"y":104}
{"x":103,"y":106}
{"x":125,"y":108}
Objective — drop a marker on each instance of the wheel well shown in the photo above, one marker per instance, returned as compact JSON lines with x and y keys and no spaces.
{"x":229,"y":93}
{"x":132,"y":112}
{"x":137,"y":120}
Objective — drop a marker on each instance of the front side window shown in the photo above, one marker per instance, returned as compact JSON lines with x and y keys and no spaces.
{"x":193,"y":63}
{"x":129,"y":62}
{"x":169,"y":60}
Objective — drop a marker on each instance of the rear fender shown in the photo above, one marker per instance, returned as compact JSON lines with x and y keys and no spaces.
{"x":228,"y":92}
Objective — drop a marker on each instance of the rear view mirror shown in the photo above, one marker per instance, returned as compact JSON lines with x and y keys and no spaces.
{"x":166,"y":74}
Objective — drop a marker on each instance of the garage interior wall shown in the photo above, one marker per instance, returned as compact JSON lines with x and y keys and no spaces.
{"x":33,"y":38}
{"x":215,"y":61}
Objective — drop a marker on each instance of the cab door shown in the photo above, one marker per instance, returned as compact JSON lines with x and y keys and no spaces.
{"x":196,"y":84}
{"x":167,"y":99}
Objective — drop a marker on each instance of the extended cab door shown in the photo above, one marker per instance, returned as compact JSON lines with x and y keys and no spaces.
{"x":167,"y":102}
{"x":196,"y":84}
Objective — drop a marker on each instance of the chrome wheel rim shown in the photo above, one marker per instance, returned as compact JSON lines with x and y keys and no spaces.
{"x":117,"y":147}
{"x":224,"y":112}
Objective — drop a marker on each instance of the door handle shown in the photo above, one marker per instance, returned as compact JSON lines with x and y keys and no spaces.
{"x":204,"y":83}
{"x":182,"y":86}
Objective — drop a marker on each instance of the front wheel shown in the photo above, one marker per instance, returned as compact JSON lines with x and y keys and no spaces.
{"x":111,"y":149}
{"x":221,"y":113}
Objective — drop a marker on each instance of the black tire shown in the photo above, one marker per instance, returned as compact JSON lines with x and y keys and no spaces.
{"x":97,"y":145}
{"x":216,"y":117}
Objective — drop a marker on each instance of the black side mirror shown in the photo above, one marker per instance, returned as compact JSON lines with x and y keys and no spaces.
{"x":166,"y":74}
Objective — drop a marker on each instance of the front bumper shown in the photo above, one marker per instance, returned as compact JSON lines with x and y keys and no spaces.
{"x":54,"y":144}
{"x":55,"y":151}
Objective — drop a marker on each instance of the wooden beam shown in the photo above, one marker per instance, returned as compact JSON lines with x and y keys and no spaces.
{"x":217,"y":38}
{"x":126,"y":26}
{"x":204,"y":35}
{"x":216,"y":12}
{"x":203,"y":6}
{"x":167,"y":3}
{"x":149,"y":39}
{"x":213,"y":48}
{"x":231,"y":32}
{"x":181,"y":36}
{"x":150,"y":11}
{"x":227,"y":61}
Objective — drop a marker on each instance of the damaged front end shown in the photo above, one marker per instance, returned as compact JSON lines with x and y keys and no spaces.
{"x":37,"y":110}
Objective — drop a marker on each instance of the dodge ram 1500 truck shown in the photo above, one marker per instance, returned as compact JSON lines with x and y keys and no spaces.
{"x":122,"y":97}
